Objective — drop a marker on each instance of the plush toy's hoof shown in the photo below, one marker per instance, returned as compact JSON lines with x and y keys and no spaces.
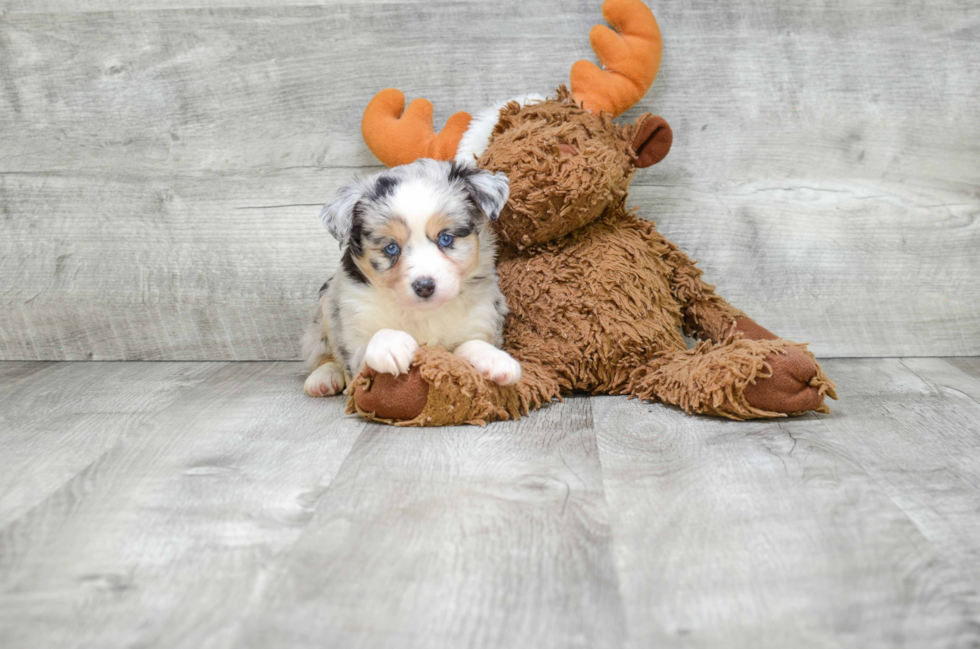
{"x":793,"y":387}
{"x":385,"y":396}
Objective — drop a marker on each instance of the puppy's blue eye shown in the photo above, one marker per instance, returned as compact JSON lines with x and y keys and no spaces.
{"x":446,"y":239}
{"x":392,"y":249}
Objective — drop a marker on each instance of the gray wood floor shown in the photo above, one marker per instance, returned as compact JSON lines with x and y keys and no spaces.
{"x":213,"y":505}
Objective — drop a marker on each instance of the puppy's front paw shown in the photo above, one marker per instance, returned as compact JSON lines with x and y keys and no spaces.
{"x":325,"y":381}
{"x":390,"y":352}
{"x":494,"y":364}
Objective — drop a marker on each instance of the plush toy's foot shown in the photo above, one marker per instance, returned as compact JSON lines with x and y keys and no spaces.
{"x":442,"y":389}
{"x":385,"y":396}
{"x":738,"y":378}
{"x":796,"y":384}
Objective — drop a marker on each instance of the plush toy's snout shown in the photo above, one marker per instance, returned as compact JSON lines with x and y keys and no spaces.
{"x":566,"y":148}
{"x":651,"y":140}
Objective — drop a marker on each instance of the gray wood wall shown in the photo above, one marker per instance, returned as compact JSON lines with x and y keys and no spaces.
{"x":162,"y":163}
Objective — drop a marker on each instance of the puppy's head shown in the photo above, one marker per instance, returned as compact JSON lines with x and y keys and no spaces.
{"x":418,"y":231}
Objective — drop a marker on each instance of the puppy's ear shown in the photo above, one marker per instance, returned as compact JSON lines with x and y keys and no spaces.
{"x":488,"y":189}
{"x":338,"y":215}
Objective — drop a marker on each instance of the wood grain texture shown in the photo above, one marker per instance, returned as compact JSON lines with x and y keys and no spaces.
{"x":61,"y":419}
{"x":781,"y":534}
{"x":824,"y":162}
{"x":165,"y":538}
{"x":244,"y":514}
{"x":915,"y":425}
{"x":968,"y":365}
{"x":198,"y":269}
{"x":85,"y":6}
{"x":455,"y":537}
{"x":14,"y":374}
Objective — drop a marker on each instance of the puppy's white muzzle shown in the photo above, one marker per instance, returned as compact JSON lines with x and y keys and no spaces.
{"x":432,"y":279}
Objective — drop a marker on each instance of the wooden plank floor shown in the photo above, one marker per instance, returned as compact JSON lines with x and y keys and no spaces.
{"x":214,"y":505}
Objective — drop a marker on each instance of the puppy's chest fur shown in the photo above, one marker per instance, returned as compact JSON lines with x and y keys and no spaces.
{"x":355,"y":312}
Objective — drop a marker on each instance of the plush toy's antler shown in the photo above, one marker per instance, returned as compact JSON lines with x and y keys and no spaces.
{"x":630,"y":59}
{"x":398,"y":137}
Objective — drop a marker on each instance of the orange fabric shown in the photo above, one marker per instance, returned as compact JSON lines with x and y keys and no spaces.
{"x":630,"y":59}
{"x":399,"y":136}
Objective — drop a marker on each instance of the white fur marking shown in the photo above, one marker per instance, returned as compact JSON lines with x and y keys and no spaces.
{"x":325,"y":381}
{"x":476,"y":139}
{"x":494,"y":364}
{"x":417,"y":201}
{"x":390,"y":352}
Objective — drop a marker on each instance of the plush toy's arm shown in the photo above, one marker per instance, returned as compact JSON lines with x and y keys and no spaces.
{"x":442,"y":389}
{"x":706,"y":315}
{"x":794,"y":381}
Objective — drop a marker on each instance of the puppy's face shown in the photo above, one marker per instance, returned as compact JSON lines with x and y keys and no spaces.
{"x":420,"y":243}
{"x":418,"y":231}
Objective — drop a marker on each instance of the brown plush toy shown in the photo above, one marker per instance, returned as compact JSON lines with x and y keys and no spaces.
{"x":598,"y":298}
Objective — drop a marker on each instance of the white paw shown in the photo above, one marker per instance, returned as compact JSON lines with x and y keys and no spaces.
{"x":326,"y":380}
{"x":390,"y":352}
{"x":494,"y":364}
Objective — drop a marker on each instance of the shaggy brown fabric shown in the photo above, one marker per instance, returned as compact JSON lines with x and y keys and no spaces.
{"x":552,"y":191}
{"x":706,"y":315}
{"x":455,"y":393}
{"x":593,"y":305}
{"x":598,"y":298}
{"x":707,"y":379}
{"x":716,"y":379}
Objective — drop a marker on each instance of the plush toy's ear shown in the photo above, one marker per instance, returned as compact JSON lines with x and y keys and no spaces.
{"x":488,"y":189}
{"x":652,"y":138}
{"x":338,"y":215}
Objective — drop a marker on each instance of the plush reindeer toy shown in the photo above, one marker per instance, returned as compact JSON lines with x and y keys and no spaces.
{"x":598,"y":298}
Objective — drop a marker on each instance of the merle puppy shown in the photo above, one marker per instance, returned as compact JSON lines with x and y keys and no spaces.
{"x":417,"y":269}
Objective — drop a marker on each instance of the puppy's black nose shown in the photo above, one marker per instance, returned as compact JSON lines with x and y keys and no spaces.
{"x":424,"y":287}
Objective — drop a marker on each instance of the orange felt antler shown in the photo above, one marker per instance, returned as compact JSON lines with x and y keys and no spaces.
{"x":398,"y":137}
{"x":630,"y":59}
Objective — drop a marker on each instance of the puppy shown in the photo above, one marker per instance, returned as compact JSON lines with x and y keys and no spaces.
{"x":418,"y":268}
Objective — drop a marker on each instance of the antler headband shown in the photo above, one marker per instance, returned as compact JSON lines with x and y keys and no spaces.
{"x":630,"y":58}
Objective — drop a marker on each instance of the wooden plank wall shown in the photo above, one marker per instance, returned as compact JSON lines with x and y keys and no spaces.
{"x":162,"y":163}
